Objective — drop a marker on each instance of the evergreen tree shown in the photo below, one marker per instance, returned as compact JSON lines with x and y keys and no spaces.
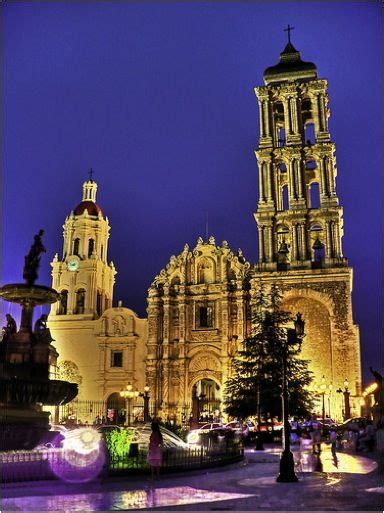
{"x":256,"y":383}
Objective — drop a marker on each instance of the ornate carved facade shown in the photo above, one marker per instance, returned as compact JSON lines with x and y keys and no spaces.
{"x":197,"y":318}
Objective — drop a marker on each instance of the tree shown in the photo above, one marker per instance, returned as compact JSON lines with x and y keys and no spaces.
{"x":256,"y":384}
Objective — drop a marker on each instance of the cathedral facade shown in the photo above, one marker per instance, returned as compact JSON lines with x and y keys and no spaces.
{"x":200,"y":304}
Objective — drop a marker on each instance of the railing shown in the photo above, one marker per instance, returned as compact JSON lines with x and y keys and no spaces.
{"x":39,"y":464}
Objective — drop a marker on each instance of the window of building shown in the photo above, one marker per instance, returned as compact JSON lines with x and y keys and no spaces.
{"x":284,"y":198}
{"x":314,"y":195}
{"x":204,"y":316}
{"x":309,"y":134}
{"x":80,"y":301}
{"x":91,"y":247}
{"x":63,"y":302}
{"x":116,"y":358}
{"x":76,"y":245}
{"x":99,"y":303}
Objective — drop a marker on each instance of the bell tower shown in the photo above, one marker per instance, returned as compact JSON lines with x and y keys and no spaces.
{"x":83,"y":275}
{"x":299,"y":218}
{"x":300,"y":221}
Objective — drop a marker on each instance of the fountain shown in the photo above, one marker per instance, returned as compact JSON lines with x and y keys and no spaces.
{"x":25,"y":358}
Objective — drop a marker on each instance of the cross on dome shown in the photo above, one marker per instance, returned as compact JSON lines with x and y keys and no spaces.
{"x":288,"y":29}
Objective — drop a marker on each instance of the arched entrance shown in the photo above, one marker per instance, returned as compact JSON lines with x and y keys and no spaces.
{"x":206,"y":401}
{"x":115,"y":413}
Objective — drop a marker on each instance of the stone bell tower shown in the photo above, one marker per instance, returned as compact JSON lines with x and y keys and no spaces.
{"x":83,"y":275}
{"x":300,"y":222}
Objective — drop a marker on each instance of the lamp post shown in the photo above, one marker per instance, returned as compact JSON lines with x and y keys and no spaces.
{"x":346,"y":393}
{"x":287,"y":464}
{"x":330,"y":388}
{"x":259,"y":440}
{"x":129,"y":394}
{"x":146,"y":403}
{"x":323,"y":388}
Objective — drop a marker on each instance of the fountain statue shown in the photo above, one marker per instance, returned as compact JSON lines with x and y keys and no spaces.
{"x":26,"y":356}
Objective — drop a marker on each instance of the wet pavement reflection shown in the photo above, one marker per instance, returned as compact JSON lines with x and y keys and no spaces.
{"x":152,"y":497}
{"x":326,"y":480}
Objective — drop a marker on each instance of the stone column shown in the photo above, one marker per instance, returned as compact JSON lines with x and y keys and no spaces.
{"x":328,"y":240}
{"x":267,"y":173}
{"x":262,"y":122}
{"x":266,"y":118}
{"x":303,"y":241}
{"x":287,"y":118}
{"x":291,"y":182}
{"x":268,"y":243}
{"x":261,"y":183}
{"x":294,"y":243}
{"x":261,"y":243}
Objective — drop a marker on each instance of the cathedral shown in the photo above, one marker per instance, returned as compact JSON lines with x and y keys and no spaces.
{"x":200,"y":304}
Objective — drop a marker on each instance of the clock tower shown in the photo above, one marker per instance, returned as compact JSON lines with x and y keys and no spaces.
{"x":83,"y":275}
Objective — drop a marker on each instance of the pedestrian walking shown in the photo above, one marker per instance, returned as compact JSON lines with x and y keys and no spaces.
{"x":155,"y":450}
{"x":316,"y":439}
{"x":333,"y":440}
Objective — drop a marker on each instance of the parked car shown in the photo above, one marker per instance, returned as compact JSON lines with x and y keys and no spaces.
{"x":194,"y":435}
{"x":353,"y":424}
{"x":241,"y":427}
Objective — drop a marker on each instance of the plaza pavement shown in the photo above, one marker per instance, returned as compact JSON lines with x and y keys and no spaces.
{"x":352,"y":483}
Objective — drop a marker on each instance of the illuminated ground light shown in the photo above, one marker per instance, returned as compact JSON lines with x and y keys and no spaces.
{"x":134,"y":499}
{"x":82,"y":456}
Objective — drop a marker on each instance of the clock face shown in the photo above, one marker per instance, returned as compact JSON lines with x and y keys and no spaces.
{"x":73,"y":265}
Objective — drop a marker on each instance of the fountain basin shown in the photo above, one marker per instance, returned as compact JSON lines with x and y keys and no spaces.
{"x":22,"y":293}
{"x":29,"y":392}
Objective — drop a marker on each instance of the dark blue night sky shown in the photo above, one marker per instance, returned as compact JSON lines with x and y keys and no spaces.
{"x":158,"y":99}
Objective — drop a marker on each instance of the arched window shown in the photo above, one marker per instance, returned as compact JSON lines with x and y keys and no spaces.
{"x":281,"y":137}
{"x":63,"y":302}
{"x":205,"y":271}
{"x":309,"y":134}
{"x":80,"y":301}
{"x":76,"y":245}
{"x":99,"y":303}
{"x":306,"y":110}
{"x":91,"y":247}
{"x":284,"y":198}
{"x":278,"y":115}
{"x":314,"y":195}
{"x":101,"y":251}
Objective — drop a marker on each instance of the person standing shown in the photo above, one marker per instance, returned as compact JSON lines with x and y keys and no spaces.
{"x":155,"y":450}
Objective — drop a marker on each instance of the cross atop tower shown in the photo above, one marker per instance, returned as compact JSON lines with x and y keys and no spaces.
{"x":91,"y":175}
{"x":288,"y":29}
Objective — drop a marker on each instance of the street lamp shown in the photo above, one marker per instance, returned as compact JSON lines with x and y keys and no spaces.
{"x":129,"y":394}
{"x":346,"y":393}
{"x":145,"y":396}
{"x":330,"y":388}
{"x":287,"y":464}
{"x":323,"y":388}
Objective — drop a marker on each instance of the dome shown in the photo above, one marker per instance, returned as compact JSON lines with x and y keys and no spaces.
{"x":91,"y":207}
{"x":290,"y":67}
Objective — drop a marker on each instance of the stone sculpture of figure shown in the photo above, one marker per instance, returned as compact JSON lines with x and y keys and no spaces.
{"x":10,"y":328}
{"x":378,"y":393}
{"x":32,"y":260}
{"x":41,"y":331}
